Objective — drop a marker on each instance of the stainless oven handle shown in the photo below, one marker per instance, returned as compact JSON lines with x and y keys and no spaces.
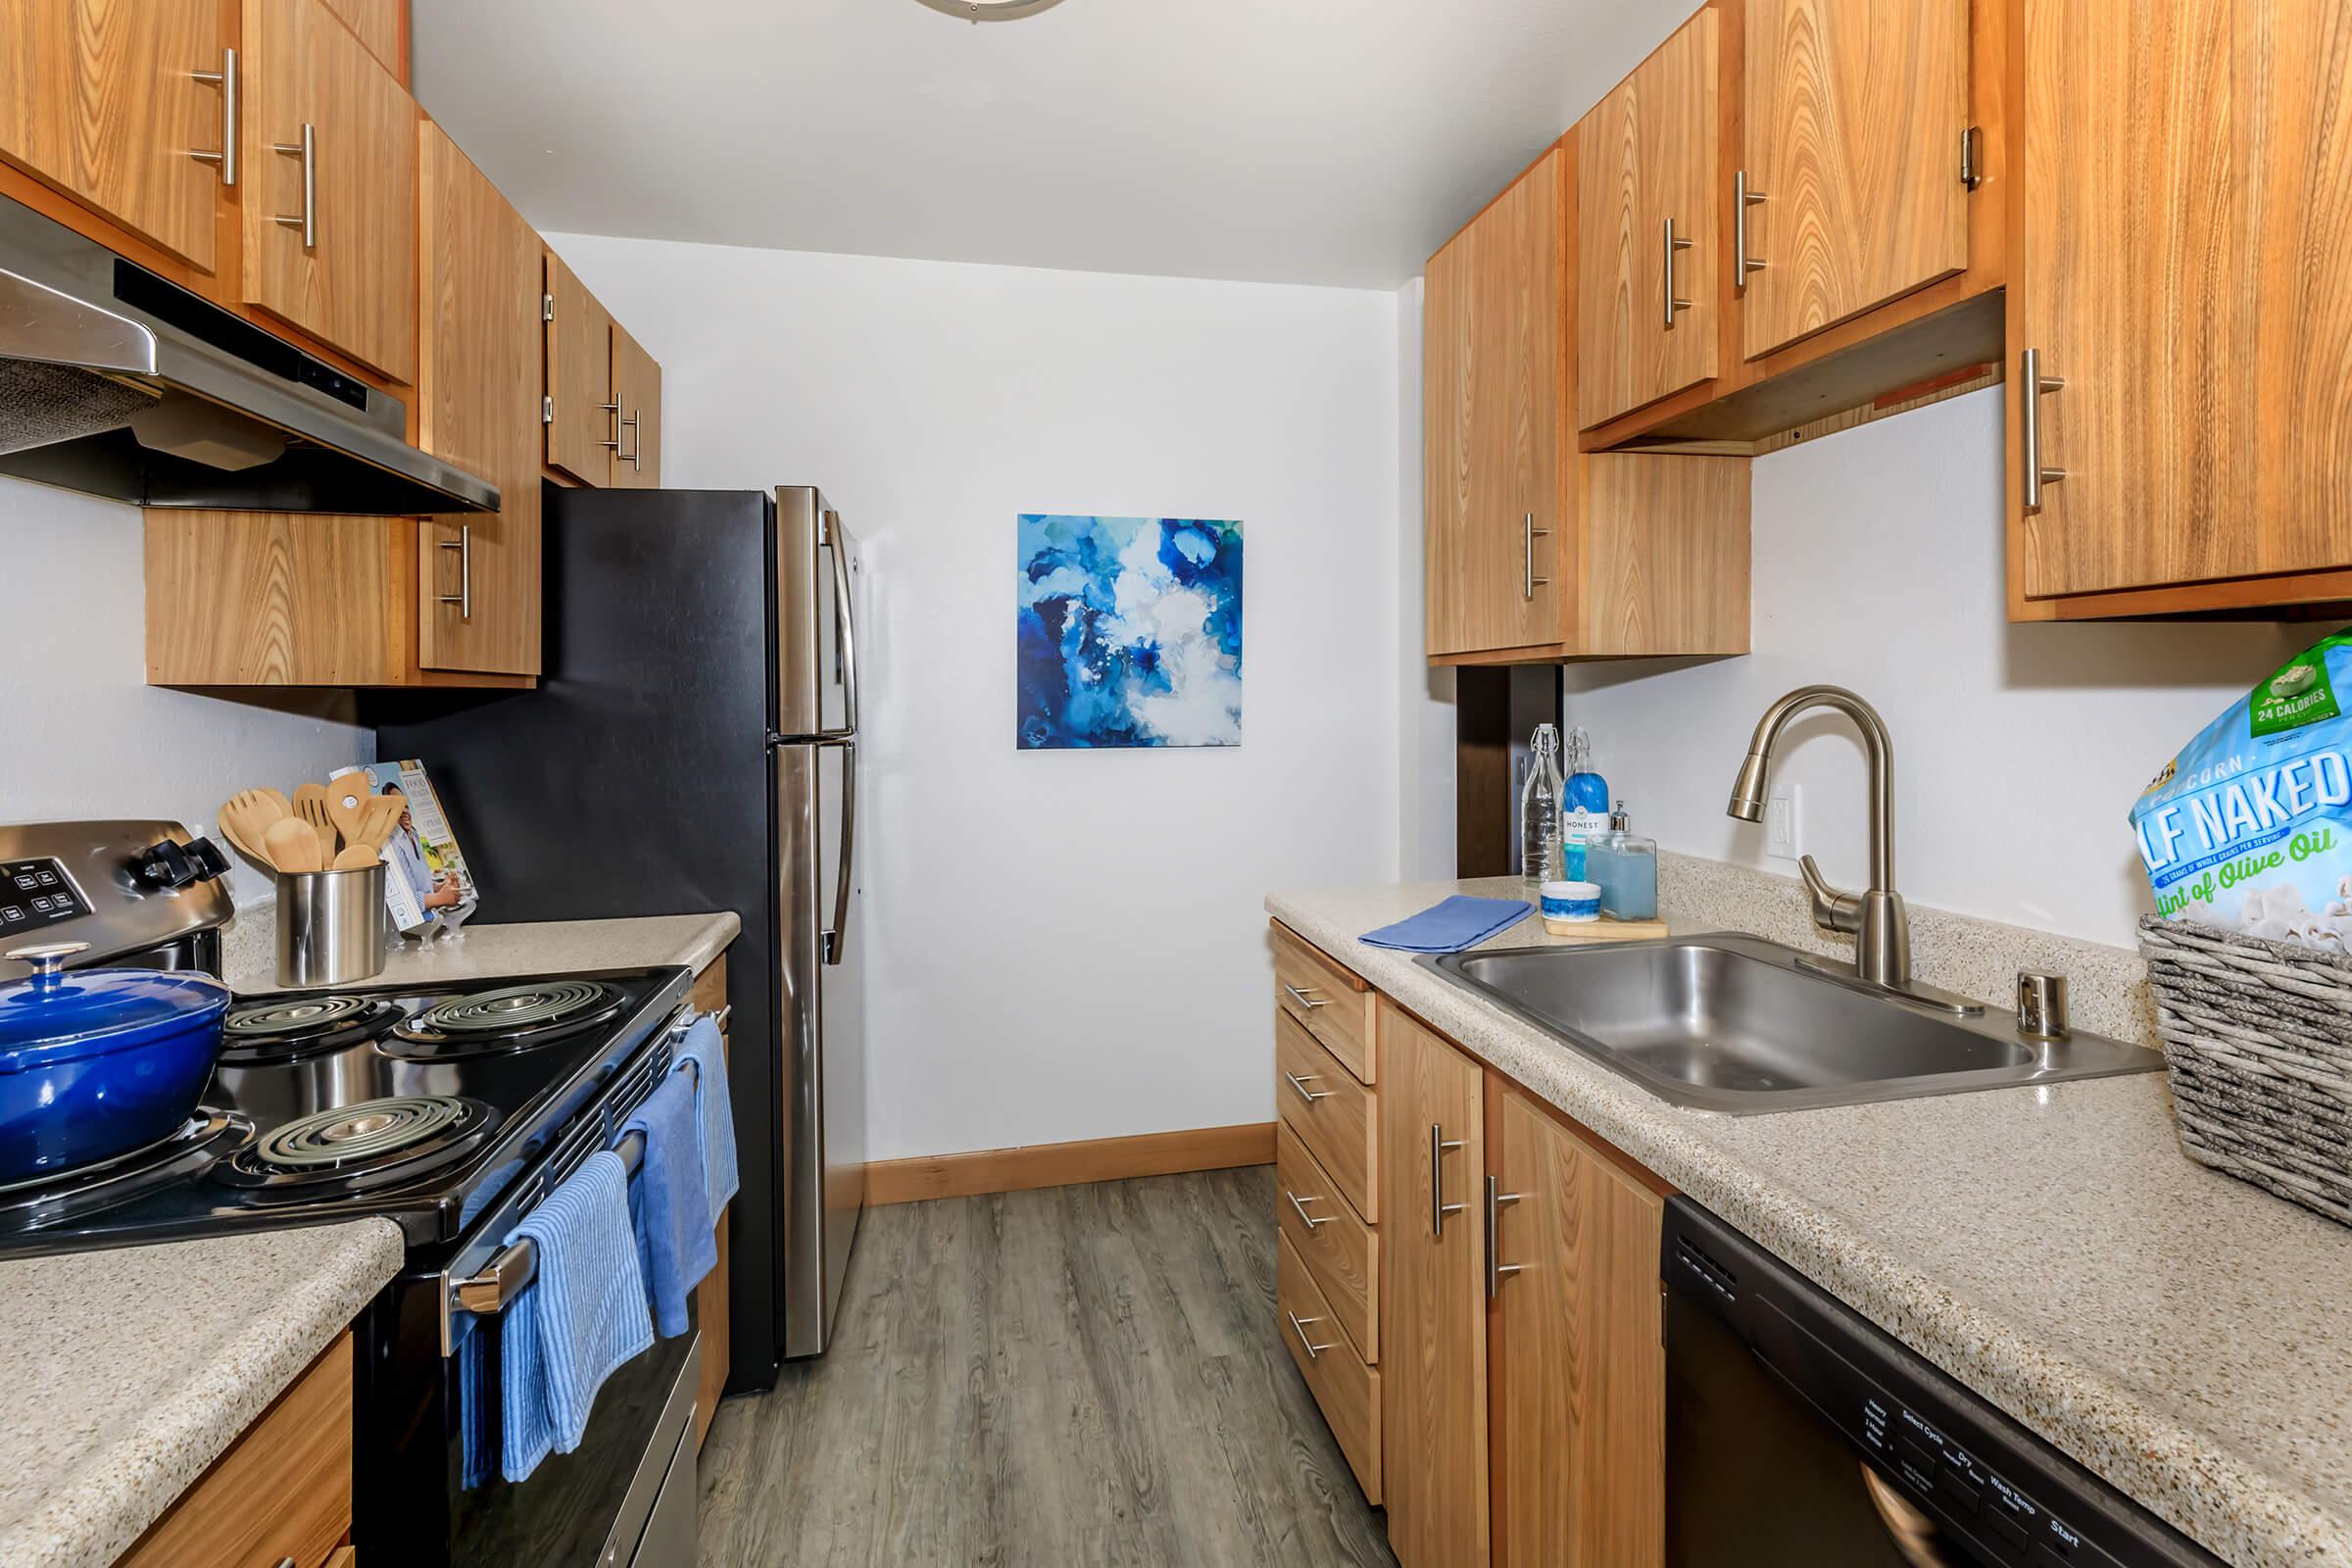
{"x":487,"y":1291}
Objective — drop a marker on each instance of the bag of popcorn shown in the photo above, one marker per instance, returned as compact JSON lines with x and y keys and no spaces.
{"x":2250,"y":827}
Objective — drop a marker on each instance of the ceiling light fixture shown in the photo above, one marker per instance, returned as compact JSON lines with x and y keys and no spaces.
{"x":991,"y":10}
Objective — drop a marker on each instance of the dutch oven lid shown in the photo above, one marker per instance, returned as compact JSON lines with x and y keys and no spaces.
{"x":56,"y":1015}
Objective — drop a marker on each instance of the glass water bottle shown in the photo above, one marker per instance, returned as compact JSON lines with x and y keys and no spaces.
{"x":1539,"y":809}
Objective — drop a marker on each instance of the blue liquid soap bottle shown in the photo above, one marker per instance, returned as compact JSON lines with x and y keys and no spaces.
{"x":1584,"y":806}
{"x":1626,"y":870}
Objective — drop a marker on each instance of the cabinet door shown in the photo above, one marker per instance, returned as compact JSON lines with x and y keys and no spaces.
{"x":100,"y":99}
{"x":1434,"y":1313}
{"x":2188,"y":182}
{"x":1523,"y":271}
{"x":1854,"y":114}
{"x":637,"y":387}
{"x":382,"y":26}
{"x":583,"y":410}
{"x":1450,"y":354}
{"x":479,"y":407}
{"x":1646,"y":159}
{"x":1579,"y":1401}
{"x":330,"y":239}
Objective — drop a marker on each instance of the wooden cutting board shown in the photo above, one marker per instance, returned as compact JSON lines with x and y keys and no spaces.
{"x":1605,"y":929}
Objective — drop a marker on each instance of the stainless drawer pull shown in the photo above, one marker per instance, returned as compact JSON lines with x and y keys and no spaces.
{"x":1531,"y":582}
{"x":1438,"y":1208}
{"x":225,"y":78}
{"x":1300,"y":1204}
{"x":1310,"y":1096}
{"x":613,"y":446}
{"x":1306,"y":999}
{"x":1673,"y":302}
{"x":1741,"y":200}
{"x":1497,"y":1270}
{"x":462,"y":544}
{"x":2032,"y":385}
{"x":636,"y":458}
{"x":306,"y":219}
{"x":1298,"y":1325}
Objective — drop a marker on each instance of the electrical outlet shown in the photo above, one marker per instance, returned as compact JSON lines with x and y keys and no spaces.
{"x":1784,"y":824}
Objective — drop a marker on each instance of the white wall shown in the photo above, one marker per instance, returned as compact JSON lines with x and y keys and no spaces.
{"x":81,"y":735}
{"x":1425,"y":713}
{"x":1063,"y":944}
{"x":2017,"y":749}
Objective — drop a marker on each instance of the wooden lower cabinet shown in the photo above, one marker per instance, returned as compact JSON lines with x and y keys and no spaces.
{"x":283,"y":1495}
{"x":1434,"y":1307}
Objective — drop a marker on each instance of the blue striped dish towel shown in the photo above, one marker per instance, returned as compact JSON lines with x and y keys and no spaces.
{"x":707,"y":1048}
{"x":583,"y":1315}
{"x":1459,"y":922}
{"x":669,"y":1202}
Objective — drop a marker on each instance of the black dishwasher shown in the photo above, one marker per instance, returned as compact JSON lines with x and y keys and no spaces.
{"x":1800,"y":1436}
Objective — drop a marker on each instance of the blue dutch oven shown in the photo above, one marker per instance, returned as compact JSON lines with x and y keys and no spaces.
{"x":97,"y":1063}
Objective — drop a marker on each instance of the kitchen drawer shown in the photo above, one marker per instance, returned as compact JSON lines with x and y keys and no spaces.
{"x":281,"y":1494}
{"x":1344,"y":1388}
{"x":1334,"y":1115}
{"x":1335,"y":1007}
{"x":1338,"y":1247}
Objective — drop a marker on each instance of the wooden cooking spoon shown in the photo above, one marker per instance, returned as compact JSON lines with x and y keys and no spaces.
{"x":381,"y":816}
{"x":347,"y":800}
{"x":293,"y":846}
{"x":309,"y":804}
{"x":357,"y":857}
{"x":245,"y":818}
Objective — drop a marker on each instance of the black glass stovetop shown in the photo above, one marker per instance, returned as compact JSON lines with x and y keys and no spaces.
{"x":418,"y":1104}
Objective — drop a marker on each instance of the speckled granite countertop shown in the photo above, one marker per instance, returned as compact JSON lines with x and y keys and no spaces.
{"x":125,"y":1374}
{"x":2181,"y":1333}
{"x":493,"y":951}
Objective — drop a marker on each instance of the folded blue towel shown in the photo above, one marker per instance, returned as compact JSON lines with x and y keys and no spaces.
{"x":669,"y":1204}
{"x":707,"y":1048}
{"x":1459,"y":922}
{"x":479,"y":1444}
{"x":583,"y":1315}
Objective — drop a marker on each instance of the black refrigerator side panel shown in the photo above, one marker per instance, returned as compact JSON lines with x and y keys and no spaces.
{"x":635,"y":781}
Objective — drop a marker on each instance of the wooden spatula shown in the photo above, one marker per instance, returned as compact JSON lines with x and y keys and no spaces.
{"x":357,"y":857}
{"x":347,"y":800}
{"x":293,"y":846}
{"x":309,"y":804}
{"x":245,"y":818}
{"x":381,"y":816}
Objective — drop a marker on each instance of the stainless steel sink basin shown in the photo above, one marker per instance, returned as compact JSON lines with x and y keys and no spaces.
{"x":1735,"y":1023}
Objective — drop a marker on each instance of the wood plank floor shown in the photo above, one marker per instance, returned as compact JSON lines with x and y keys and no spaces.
{"x":1081,"y":1376}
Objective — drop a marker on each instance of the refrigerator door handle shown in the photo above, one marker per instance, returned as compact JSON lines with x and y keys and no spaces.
{"x":836,"y":938}
{"x":847,"y":616}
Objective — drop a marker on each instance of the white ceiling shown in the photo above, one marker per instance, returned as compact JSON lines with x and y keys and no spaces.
{"x":1310,"y":141}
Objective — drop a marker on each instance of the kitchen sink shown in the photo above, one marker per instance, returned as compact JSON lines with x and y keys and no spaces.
{"x":1736,"y":1024}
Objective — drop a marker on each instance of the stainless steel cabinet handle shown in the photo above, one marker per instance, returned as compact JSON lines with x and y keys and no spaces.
{"x":307,"y":150}
{"x":1741,"y":200}
{"x":462,"y":544}
{"x":613,"y":408}
{"x":1306,"y":998}
{"x":1300,"y":1204}
{"x":636,"y":458}
{"x":2033,"y":385}
{"x":1298,"y":1327}
{"x":1310,"y":1096}
{"x":225,"y":78}
{"x":285,"y":1562}
{"x":1530,"y":533}
{"x":1673,"y":303}
{"x":1496,"y":1270}
{"x":1438,"y":1208}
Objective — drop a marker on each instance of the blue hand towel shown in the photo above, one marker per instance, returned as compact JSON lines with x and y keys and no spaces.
{"x":1459,"y":922}
{"x":670,"y":1205}
{"x":583,"y":1315}
{"x":476,"y":1422}
{"x":707,"y":1048}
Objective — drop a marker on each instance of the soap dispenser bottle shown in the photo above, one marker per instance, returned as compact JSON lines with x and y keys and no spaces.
{"x":1626,"y":870}
{"x":1584,"y":806}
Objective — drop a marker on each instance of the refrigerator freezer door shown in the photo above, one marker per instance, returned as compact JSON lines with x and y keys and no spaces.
{"x":822,"y":1040}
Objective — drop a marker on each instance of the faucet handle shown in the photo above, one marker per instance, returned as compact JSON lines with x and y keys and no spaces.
{"x":2041,"y":1005}
{"x":1833,"y":908}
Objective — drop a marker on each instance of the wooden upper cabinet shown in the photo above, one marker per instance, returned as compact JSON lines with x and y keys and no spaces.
{"x":1854,"y":114}
{"x":1449,"y":382}
{"x":1580,"y":1407}
{"x":1647,"y":306}
{"x":583,"y":408}
{"x":1434,"y":1311}
{"x":102,"y":99}
{"x":2188,"y":187}
{"x":1526,"y":279}
{"x":382,"y":26}
{"x":637,"y":387}
{"x":330,"y":235}
{"x":479,"y":407}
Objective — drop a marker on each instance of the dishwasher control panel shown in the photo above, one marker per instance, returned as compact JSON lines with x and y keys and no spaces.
{"x":34,"y":893}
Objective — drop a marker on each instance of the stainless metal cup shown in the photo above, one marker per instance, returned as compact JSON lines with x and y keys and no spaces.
{"x":331,"y":926}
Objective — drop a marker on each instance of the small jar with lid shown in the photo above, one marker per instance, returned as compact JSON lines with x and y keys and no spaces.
{"x":1626,"y":867}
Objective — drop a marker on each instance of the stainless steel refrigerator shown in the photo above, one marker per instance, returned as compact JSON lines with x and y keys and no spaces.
{"x":692,"y":747}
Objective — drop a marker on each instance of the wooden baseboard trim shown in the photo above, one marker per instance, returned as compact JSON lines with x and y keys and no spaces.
{"x":1093,"y":1159}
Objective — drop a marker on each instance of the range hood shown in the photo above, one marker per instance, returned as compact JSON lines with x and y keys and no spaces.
{"x":119,"y":383}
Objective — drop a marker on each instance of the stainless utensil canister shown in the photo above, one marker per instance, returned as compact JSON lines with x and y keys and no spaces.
{"x":331,"y":926}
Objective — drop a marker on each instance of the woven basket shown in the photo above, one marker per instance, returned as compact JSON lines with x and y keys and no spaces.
{"x":2258,"y":1041}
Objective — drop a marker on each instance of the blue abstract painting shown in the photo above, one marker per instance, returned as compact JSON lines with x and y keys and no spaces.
{"x":1130,"y":632}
